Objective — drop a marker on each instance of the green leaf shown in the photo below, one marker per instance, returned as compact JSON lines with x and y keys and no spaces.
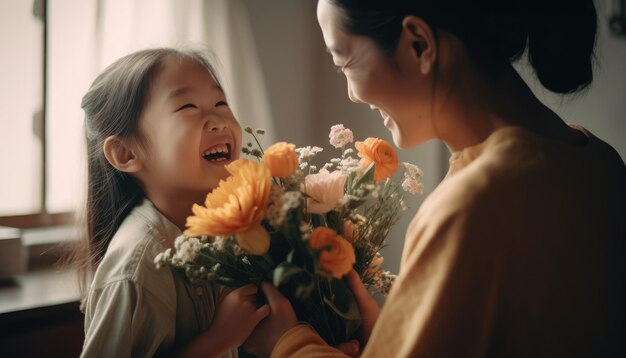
{"x":317,"y":220}
{"x":304,"y":291}
{"x":264,"y":263}
{"x":368,"y":176}
{"x":230,"y":282}
{"x":343,"y":303}
{"x":284,"y":272}
{"x":356,"y":203}
{"x":333,"y":220}
{"x":348,"y":186}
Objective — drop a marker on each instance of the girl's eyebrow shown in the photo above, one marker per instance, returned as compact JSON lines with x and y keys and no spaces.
{"x":183,"y":90}
{"x":178,"y":92}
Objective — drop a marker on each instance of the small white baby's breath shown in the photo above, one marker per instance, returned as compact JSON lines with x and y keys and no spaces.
{"x":412,"y":170}
{"x":340,"y":136}
{"x":305,"y":230}
{"x":187,"y":248}
{"x":349,"y":165}
{"x":306,"y":153}
{"x":412,"y":186}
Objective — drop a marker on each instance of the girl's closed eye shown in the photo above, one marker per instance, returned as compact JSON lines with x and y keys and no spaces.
{"x":221,"y":103}
{"x":185,"y":106}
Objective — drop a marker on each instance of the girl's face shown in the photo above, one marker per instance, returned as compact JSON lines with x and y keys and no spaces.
{"x":190,"y":131}
{"x":384,"y":82}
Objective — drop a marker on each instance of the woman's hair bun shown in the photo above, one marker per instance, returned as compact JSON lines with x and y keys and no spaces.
{"x":561,"y":40}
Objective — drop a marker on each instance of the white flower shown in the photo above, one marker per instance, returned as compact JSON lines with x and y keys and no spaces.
{"x":412,"y":186}
{"x":291,"y":200}
{"x":412,"y":170}
{"x":325,"y":190}
{"x":305,"y":230}
{"x":306,"y":153}
{"x":187,"y":248}
{"x":412,"y":178}
{"x":163,"y":258}
{"x":348,"y":165}
{"x":279,"y":205}
{"x":340,"y":136}
{"x":274,"y":205}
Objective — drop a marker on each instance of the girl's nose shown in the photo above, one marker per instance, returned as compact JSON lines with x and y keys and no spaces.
{"x":215,"y":124}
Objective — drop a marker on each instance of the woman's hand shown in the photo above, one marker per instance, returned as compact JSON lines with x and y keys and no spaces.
{"x":368,"y":307}
{"x":281,"y":318}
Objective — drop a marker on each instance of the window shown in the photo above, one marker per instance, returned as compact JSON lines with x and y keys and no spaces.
{"x":52,"y":52}
{"x":47,"y":67}
{"x":21,"y":102}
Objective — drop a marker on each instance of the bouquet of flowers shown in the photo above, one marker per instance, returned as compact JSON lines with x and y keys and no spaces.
{"x":284,"y":220}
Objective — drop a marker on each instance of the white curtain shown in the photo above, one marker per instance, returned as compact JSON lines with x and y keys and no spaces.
{"x":222,"y":26}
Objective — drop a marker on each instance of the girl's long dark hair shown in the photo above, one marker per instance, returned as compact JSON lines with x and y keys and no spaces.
{"x":112,"y":107}
{"x":558,"y":34}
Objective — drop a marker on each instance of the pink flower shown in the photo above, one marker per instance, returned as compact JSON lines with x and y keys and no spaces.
{"x":324,"y":189}
{"x":340,"y":136}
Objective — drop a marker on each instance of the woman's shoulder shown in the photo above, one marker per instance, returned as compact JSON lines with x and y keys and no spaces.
{"x":504,"y":183}
{"x":475,"y":196}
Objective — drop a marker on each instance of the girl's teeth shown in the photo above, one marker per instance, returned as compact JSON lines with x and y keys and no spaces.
{"x":217,"y":150}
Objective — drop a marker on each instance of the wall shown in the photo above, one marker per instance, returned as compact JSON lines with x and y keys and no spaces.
{"x":602,"y":108}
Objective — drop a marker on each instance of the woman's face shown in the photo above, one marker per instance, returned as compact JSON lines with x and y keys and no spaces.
{"x":387,"y":83}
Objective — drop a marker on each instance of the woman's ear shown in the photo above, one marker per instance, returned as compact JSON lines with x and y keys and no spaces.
{"x":120,"y":155}
{"x":419,"y":39}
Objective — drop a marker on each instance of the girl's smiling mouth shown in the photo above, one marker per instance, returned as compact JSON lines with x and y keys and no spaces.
{"x":217,"y":153}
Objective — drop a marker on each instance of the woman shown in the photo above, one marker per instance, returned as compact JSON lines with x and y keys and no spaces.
{"x":518,"y":251}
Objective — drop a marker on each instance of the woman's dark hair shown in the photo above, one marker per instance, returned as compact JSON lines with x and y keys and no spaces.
{"x":559,"y":34}
{"x":112,"y":106}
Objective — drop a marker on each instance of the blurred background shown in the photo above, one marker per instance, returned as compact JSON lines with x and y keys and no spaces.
{"x":276,"y":73}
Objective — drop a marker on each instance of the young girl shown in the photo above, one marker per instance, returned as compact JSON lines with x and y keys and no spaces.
{"x":519,"y":252}
{"x":159,"y":133}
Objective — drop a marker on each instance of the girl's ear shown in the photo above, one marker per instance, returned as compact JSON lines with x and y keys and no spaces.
{"x":120,"y":155}
{"x":418,"y":39}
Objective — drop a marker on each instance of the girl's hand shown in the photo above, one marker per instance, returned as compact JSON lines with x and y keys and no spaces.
{"x":236,"y":315}
{"x":281,"y":318}
{"x":367,"y":305}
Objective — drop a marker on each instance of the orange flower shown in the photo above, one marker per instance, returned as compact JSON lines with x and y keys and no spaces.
{"x":349,"y":231}
{"x":381,"y":153}
{"x":281,"y":159}
{"x":338,"y":255}
{"x":236,"y":207}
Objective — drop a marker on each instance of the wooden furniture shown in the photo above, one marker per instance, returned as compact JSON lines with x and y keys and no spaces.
{"x":40,"y":316}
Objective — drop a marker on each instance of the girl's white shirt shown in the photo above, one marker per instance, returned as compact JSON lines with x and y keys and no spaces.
{"x":135,"y":309}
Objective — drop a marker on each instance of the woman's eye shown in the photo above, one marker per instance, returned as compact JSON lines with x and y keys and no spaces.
{"x":188,"y":105}
{"x":221,"y":103}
